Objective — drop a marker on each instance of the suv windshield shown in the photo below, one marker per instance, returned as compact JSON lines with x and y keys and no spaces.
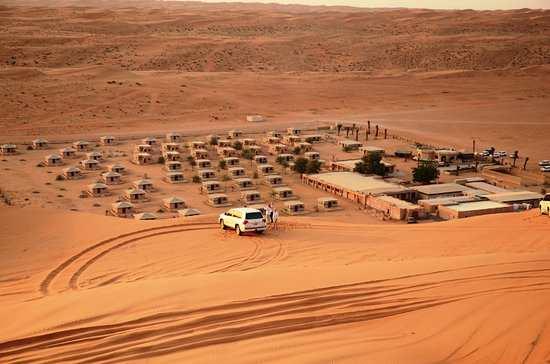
{"x":254,"y":215}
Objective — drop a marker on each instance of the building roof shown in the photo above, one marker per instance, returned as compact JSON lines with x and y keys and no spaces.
{"x":372,"y":148}
{"x":273,"y":176}
{"x":326,"y":199}
{"x":71,"y":169}
{"x":94,"y":154}
{"x":123,"y":204}
{"x":174,"y":173}
{"x":189,"y":212}
{"x":356,"y":182}
{"x":441,"y":188}
{"x":235,"y":169}
{"x":484,"y":186}
{"x":515,"y":196}
{"x":250,"y":192}
{"x":117,"y":165}
{"x":349,"y":142}
{"x":135,"y":191}
{"x":90,"y":161}
{"x":146,"y":216}
{"x":243,"y":179}
{"x":477,"y":206}
{"x":52,"y":156}
{"x":397,"y":202}
{"x":216,"y":195}
{"x":293,"y":203}
{"x":97,"y":185}
{"x":281,"y":189}
{"x":173,"y":199}
{"x":67,"y":149}
{"x":111,"y":174}
{"x":447,"y":200}
{"x":39,"y":140}
{"x":208,"y":183}
{"x":143,"y":182}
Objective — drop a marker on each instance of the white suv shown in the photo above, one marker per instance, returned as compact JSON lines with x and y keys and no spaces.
{"x":243,"y":220}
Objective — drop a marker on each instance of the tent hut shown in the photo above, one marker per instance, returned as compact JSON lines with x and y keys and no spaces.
{"x":203,"y":163}
{"x":81,"y":145}
{"x":313,"y":138}
{"x":304,"y":146}
{"x":236,"y":172}
{"x":8,"y":149}
{"x":274,"y":180}
{"x":265,"y":169}
{"x":172,"y":166}
{"x":283,"y":193}
{"x":144,"y":184}
{"x":39,"y":143}
{"x":224,"y":143}
{"x":293,"y":131}
{"x":98,"y":190}
{"x":232,"y":161}
{"x":143,"y":148}
{"x":289,"y":158}
{"x":312,"y":156}
{"x":294,"y":207}
{"x":260,"y":159}
{"x":67,"y":152}
{"x":211,"y":187}
{"x":243,"y":183}
{"x":272,"y":140}
{"x":199,"y":153}
{"x":278,"y":148}
{"x":248,"y":141}
{"x":173,"y":203}
{"x":122,"y":209}
{"x":98,"y":156}
{"x":292,"y":139}
{"x":198,"y":144}
{"x":136,"y":195}
{"x":254,"y":149}
{"x":149,"y":141}
{"x":143,"y":158}
{"x":89,"y":164}
{"x":350,"y":144}
{"x":274,"y":133}
{"x":170,"y":147}
{"x":227,"y":152}
{"x":118,"y":168}
{"x":173,"y":137}
{"x":234,"y":134}
{"x":146,"y":216}
{"x":218,"y":200}
{"x":327,"y":204}
{"x":175,"y":177}
{"x":112,"y":178}
{"x":251,"y":196}
{"x":369,"y":149}
{"x":188,"y":212}
{"x":172,"y":156}
{"x":53,"y":160}
{"x":207,"y":174}
{"x":72,"y":173}
{"x":107,"y":140}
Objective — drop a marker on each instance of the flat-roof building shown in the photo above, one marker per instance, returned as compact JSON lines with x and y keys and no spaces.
{"x":441,"y":190}
{"x":474,"y":208}
{"x":356,"y":187}
{"x":516,"y":197}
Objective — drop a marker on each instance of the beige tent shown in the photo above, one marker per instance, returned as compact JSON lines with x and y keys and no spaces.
{"x":174,"y":203}
{"x":53,"y":160}
{"x":39,"y":143}
{"x":122,"y":209}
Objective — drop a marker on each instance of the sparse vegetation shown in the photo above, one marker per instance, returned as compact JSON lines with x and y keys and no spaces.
{"x":196,"y":179}
{"x":426,"y":172}
{"x":238,"y":145}
{"x":191,"y":161}
{"x":371,"y":164}
{"x":347,"y":148}
{"x":248,"y":154}
{"x":282,"y":161}
{"x":161,"y":160}
{"x":222,"y":164}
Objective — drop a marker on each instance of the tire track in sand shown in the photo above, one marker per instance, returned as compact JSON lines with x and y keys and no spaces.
{"x":53,"y":274}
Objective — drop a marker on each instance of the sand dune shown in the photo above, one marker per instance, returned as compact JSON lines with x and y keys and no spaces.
{"x":188,"y":291}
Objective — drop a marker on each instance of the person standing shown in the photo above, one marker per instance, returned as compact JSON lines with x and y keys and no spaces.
{"x":275,"y":217}
{"x":268,"y":213}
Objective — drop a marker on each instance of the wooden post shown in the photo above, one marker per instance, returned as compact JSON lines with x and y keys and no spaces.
{"x":376,"y":134}
{"x":385,"y":133}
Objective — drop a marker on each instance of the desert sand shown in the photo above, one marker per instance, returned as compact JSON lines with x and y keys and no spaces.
{"x":314,"y":291}
{"x":76,"y":286}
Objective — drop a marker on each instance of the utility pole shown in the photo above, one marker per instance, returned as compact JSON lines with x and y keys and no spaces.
{"x":525,"y":163}
{"x":385,"y":133}
{"x":376,"y":135}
